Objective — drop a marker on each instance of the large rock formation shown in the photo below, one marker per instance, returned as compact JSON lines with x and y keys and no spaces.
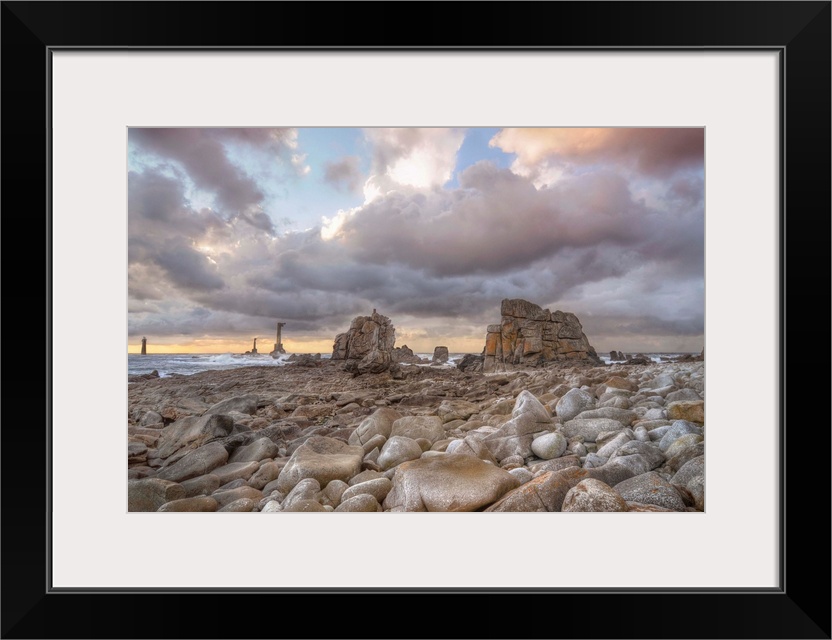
{"x":529,"y":336}
{"x":367,"y":346}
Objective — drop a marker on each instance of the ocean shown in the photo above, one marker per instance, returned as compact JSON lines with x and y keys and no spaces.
{"x":190,"y":363}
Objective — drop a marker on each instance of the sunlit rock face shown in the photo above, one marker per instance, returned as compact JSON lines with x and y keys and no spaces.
{"x":368,"y":344}
{"x":529,"y":336}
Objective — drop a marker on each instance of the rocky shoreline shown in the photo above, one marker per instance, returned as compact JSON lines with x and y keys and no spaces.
{"x":313,"y":437}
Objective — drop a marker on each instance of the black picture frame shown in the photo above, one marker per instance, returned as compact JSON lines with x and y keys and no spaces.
{"x":799,"y":31}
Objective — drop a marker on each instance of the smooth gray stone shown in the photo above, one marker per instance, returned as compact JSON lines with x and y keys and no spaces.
{"x":651,"y":488}
{"x":590,"y":429}
{"x":593,"y":495}
{"x":190,"y":505}
{"x":362,"y":503}
{"x":691,"y":476}
{"x":258,"y":450}
{"x":678,"y":429}
{"x":196,"y":463}
{"x":378,"y":488}
{"x":571,"y":404}
{"x":550,"y":445}
{"x":244,"y":404}
{"x":447,"y":483}
{"x":242,"y":505}
{"x":148,"y":494}
{"x":201,"y":485}
{"x":226,"y":497}
{"x":398,"y":449}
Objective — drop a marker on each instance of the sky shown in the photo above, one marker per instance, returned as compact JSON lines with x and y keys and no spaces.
{"x":232,"y":230}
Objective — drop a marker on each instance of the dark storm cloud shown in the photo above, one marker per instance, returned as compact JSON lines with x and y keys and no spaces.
{"x":498,"y":221}
{"x":157,"y":207}
{"x":203,"y":155}
{"x":186,"y":268}
{"x":345,"y":174}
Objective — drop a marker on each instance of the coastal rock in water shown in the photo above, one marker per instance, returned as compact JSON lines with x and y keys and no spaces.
{"x":405,"y":354}
{"x":367,"y":346}
{"x":529,"y":336}
{"x":447,"y":483}
{"x":440,"y":354}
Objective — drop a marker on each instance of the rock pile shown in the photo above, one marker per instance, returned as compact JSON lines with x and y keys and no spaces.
{"x":570,"y":437}
{"x":367,"y":346}
{"x":529,"y":336}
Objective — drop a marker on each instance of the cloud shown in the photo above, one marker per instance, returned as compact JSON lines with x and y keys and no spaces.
{"x":657,"y":152}
{"x":203,"y":153}
{"x":345,"y":174}
{"x":622,"y":249}
{"x":496,"y":221}
{"x":420,"y":158}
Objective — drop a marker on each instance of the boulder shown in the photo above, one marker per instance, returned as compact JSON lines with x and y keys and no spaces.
{"x":590,"y":429}
{"x":549,"y":445}
{"x":593,"y":495}
{"x":148,"y":494}
{"x":396,"y":450}
{"x":692,"y":411}
{"x":260,"y":449}
{"x":195,"y":463}
{"x":414,"y":427}
{"x":691,"y":476}
{"x":323,"y":459}
{"x":573,"y":403}
{"x":379,"y":423}
{"x":651,"y":488}
{"x":190,"y":505}
{"x":191,"y":432}
{"x":242,"y":404}
{"x":362,"y":503}
{"x":447,"y":483}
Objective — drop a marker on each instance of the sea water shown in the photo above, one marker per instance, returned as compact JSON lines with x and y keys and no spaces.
{"x":190,"y":363}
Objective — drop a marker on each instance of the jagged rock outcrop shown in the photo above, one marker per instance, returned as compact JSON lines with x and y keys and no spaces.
{"x":470,"y":363}
{"x":529,"y":336}
{"x":367,"y":346}
{"x":405,"y":354}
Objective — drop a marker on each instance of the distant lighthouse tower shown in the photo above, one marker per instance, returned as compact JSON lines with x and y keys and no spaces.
{"x":144,"y":346}
{"x":278,"y":346}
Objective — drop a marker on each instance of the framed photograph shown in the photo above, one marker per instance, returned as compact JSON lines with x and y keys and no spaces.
{"x":84,"y":83}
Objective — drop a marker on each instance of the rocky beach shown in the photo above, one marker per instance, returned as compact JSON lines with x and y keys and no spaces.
{"x":536,"y":422}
